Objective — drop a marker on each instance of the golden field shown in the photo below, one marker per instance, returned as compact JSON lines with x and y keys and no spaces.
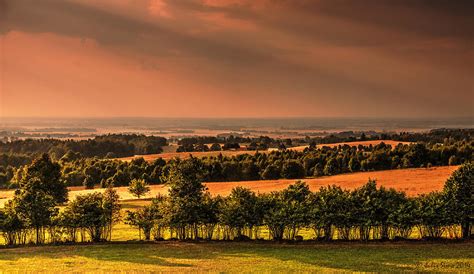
{"x":169,"y":154}
{"x":413,"y":181}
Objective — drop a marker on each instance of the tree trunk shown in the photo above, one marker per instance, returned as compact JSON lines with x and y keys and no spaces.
{"x":466,"y":229}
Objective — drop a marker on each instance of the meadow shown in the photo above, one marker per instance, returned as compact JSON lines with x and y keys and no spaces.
{"x":241,"y":257}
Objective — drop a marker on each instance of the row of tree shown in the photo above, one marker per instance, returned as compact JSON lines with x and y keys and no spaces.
{"x":313,"y":162}
{"x":366,"y":213}
{"x":104,"y":146}
{"x":274,"y":165}
{"x":189,"y":212}
{"x":433,"y":136}
{"x":34,"y":215}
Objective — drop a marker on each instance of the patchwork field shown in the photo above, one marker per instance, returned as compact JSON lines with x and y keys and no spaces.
{"x":364,"y":143}
{"x":413,"y":181}
{"x":241,"y":257}
{"x":169,"y":154}
{"x":186,"y":155}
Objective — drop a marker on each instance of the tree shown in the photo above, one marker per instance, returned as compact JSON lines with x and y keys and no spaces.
{"x":89,"y":209}
{"x":138,"y":188}
{"x":215,"y":147}
{"x":111,"y":209}
{"x":274,"y":214}
{"x":403,"y":218}
{"x":144,"y":219}
{"x":250,"y":171}
{"x":210,"y":211}
{"x":41,"y":189}
{"x":296,"y":213}
{"x":271,"y":172}
{"x":292,"y":170}
{"x":354,"y":165}
{"x":45,"y":176}
{"x":433,"y":215}
{"x":459,"y":193}
{"x":331,"y":167}
{"x":238,"y":212}
{"x":35,"y":207}
{"x":328,"y":208}
{"x":120,"y":178}
{"x":453,"y":160}
{"x":3,"y":180}
{"x":11,"y":226}
{"x":185,"y":197}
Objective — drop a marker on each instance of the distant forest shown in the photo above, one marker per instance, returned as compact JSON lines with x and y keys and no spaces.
{"x":105,"y":146}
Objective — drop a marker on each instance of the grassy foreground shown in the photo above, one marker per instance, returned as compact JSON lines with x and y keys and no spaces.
{"x":241,"y":257}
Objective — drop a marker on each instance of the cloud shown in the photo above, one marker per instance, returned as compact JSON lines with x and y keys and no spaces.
{"x":327,"y":53}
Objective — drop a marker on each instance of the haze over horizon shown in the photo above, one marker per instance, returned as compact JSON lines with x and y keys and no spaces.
{"x":236,"y":58}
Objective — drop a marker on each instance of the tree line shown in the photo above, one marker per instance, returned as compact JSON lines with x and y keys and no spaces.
{"x":441,"y":135}
{"x":40,"y":212}
{"x":104,"y":146}
{"x":190,"y":212}
{"x":275,"y":165}
{"x":76,"y":169}
{"x":288,"y":164}
{"x":366,"y":213}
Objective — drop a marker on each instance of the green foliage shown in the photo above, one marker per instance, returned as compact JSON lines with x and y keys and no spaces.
{"x":328,"y":209}
{"x":292,"y":170}
{"x":459,"y":193}
{"x":138,"y":188}
{"x":185,"y":197}
{"x":45,"y":176}
{"x":238,"y":212}
{"x":189,"y":212}
{"x":35,"y":207}
{"x":93,"y":213}
{"x":295,"y":210}
{"x":433,"y":215}
{"x":271,"y":172}
{"x":118,"y":144}
{"x":144,"y":219}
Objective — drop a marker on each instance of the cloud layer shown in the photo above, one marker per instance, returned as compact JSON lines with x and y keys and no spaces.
{"x":236,"y":58}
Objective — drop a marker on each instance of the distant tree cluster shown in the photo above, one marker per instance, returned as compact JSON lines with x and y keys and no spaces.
{"x":292,"y":164}
{"x":287,"y":164}
{"x":441,"y":135}
{"x":76,"y":170}
{"x":105,"y":146}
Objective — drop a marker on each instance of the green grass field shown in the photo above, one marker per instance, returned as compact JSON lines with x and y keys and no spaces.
{"x":240,"y":257}
{"x":236,"y":256}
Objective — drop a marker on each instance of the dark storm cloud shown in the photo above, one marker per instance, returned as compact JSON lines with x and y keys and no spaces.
{"x":73,"y":19}
{"x":108,"y":28}
{"x":420,"y":19}
{"x":433,"y":32}
{"x":391,"y":20}
{"x":428,"y":18}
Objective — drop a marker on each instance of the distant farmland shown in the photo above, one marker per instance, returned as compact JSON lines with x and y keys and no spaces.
{"x":185,"y":155}
{"x":364,"y":143}
{"x":412,"y":181}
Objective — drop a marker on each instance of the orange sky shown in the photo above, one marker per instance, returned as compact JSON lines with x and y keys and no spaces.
{"x":236,"y":58}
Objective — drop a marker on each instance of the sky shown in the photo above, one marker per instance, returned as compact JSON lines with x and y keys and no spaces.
{"x":236,"y":58}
